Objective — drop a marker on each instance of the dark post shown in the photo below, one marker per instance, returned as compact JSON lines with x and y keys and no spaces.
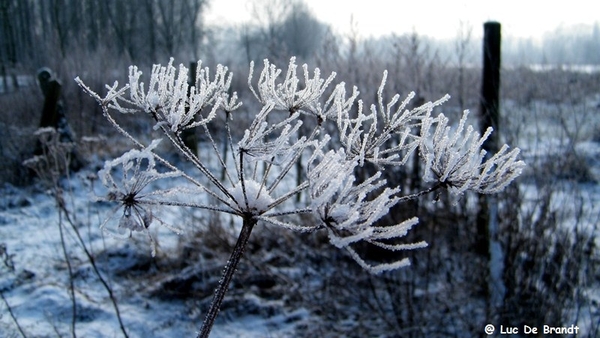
{"x":51,"y":89}
{"x":3,"y":81}
{"x":487,"y":222}
{"x":53,"y":114}
{"x":490,"y":89}
{"x":488,"y":115}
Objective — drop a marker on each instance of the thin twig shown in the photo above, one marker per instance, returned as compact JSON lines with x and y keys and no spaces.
{"x":69,"y":267}
{"x":421,"y":193}
{"x":97,"y":271}
{"x":12,"y":315}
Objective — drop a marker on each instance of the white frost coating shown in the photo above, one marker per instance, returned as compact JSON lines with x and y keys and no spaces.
{"x":347,"y":213}
{"x":458,"y":160}
{"x":138,"y":169}
{"x":373,"y":137}
{"x":287,"y":95}
{"x":126,"y":177}
{"x":251,"y":196}
{"x":272,"y":142}
{"x":340,"y":182}
{"x":169,"y":98}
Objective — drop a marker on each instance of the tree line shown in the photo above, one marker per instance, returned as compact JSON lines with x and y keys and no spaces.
{"x":33,"y":31}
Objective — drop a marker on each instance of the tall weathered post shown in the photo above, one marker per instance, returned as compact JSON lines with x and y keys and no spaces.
{"x":487,"y":219}
{"x":490,"y":89}
{"x":51,"y":88}
{"x":53,"y":114}
{"x":488,"y":117}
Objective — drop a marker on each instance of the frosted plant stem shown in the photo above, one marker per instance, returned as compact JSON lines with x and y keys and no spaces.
{"x":242,"y":180}
{"x":420,"y":193}
{"x":230,"y":268}
{"x":165,"y":162}
{"x":218,"y":154}
{"x":49,"y":150}
{"x":230,"y":142}
{"x":183,"y":149}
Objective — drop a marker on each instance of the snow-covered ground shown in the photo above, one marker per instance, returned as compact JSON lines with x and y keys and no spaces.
{"x":34,"y":278}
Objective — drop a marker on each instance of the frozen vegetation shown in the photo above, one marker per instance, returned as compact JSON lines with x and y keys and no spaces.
{"x":257,"y":189}
{"x":346,"y":206}
{"x":315,"y":203}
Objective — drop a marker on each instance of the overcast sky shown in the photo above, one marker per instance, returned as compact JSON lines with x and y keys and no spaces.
{"x":434,"y":18}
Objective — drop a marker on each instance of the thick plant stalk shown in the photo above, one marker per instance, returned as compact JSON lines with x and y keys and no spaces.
{"x":230,"y":268}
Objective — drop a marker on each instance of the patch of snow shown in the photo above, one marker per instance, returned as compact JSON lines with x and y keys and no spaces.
{"x":37,"y":290}
{"x":251,"y":195}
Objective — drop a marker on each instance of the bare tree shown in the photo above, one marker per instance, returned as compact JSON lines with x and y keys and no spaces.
{"x":281,"y":29}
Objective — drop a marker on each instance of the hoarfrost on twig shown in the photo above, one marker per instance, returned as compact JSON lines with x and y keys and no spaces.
{"x":345,"y":209}
{"x":137,"y":170}
{"x":458,"y":160}
{"x":288,"y":95}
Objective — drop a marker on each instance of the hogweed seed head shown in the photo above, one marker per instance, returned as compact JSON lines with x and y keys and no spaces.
{"x":258,"y":185}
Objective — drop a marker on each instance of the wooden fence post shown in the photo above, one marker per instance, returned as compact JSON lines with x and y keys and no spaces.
{"x":488,"y":117}
{"x":487,"y":218}
{"x":51,"y":88}
{"x":53,"y":114}
{"x":490,"y":89}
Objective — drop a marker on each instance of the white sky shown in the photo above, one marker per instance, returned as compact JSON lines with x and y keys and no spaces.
{"x":435,"y":18}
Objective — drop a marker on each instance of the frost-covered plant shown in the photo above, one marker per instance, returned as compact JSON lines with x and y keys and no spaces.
{"x":136,"y":169}
{"x":257,"y":185}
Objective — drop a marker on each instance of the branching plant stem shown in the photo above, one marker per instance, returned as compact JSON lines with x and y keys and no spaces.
{"x":230,"y":268}
{"x":345,"y":200}
{"x":421,"y":193}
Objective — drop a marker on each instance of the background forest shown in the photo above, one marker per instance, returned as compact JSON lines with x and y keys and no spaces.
{"x":56,"y":264}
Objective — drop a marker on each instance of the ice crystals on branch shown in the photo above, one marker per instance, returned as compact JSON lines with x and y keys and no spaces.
{"x":334,"y":186}
{"x":125,"y":178}
{"x":288,"y":95}
{"x":349,"y":210}
{"x":251,"y":197}
{"x":169,"y":97}
{"x":173,"y":100}
{"x":272,"y":143}
{"x":458,"y":161}
{"x":350,"y":207}
{"x":388,"y":134}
